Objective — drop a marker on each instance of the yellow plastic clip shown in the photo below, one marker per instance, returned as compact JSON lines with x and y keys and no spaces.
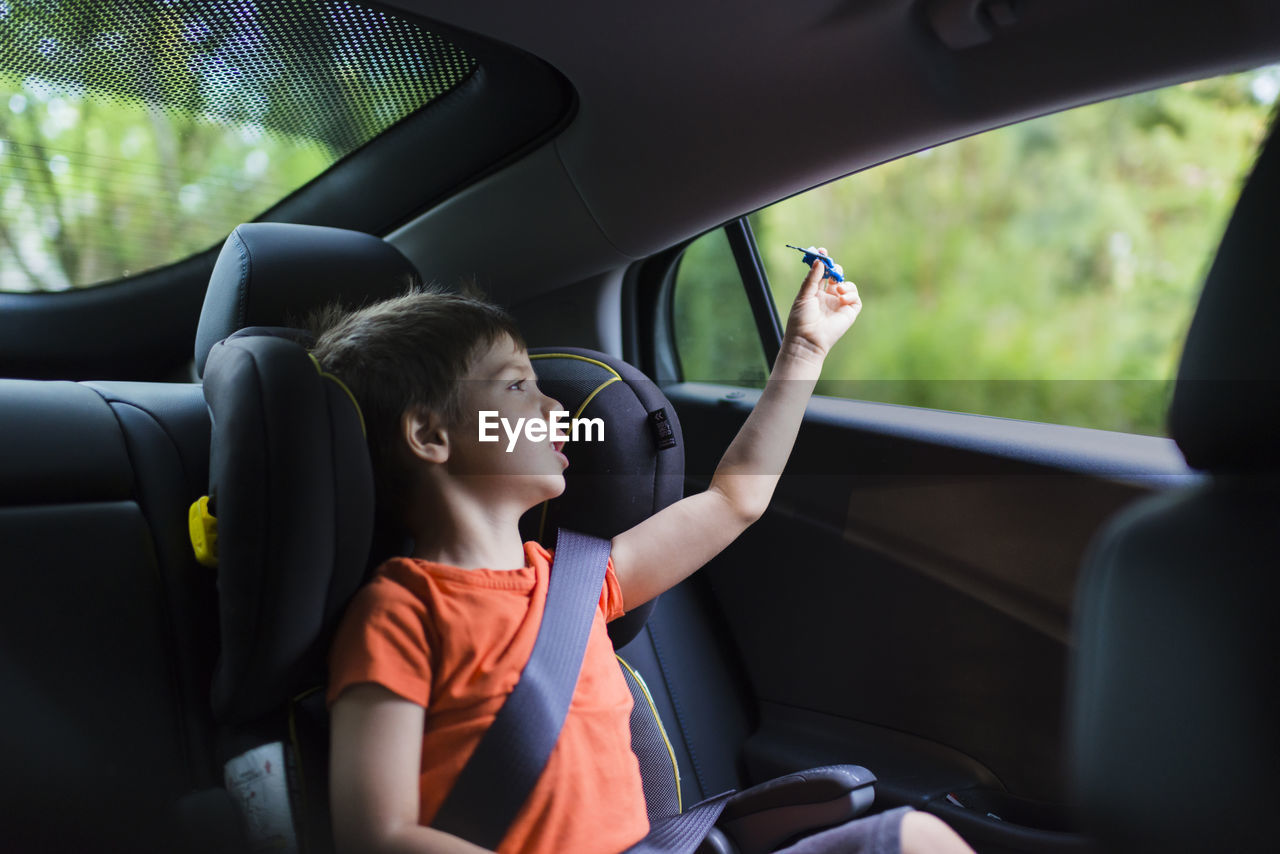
{"x":203,"y":528}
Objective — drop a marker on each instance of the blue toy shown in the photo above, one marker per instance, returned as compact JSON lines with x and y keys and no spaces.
{"x":811,"y":254}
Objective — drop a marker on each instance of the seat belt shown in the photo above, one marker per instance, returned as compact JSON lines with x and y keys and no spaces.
{"x":497,"y":779}
{"x":502,"y":771}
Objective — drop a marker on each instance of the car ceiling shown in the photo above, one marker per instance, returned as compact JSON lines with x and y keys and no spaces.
{"x":634,"y":128}
{"x":691,"y":113}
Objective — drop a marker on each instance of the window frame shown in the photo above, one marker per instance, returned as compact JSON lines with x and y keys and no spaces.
{"x":755,"y":281}
{"x":649,"y":340}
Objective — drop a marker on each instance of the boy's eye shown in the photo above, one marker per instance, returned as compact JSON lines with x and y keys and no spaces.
{"x":518,"y":385}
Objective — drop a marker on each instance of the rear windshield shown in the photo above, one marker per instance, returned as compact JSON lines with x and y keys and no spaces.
{"x":134,"y":133}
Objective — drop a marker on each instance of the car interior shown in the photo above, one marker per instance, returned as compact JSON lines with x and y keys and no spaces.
{"x":1055,"y":638}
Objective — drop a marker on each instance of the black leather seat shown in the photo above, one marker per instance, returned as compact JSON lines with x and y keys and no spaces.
{"x":107,"y":624}
{"x":1176,"y":693}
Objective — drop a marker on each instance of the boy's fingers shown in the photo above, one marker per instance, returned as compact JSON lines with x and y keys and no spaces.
{"x":810,"y":285}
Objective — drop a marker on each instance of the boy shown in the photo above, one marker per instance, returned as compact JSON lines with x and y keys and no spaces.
{"x":429,"y":650}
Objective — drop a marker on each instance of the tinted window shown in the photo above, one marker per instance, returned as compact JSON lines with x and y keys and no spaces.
{"x":715,"y":333}
{"x":136,"y":132}
{"x":1044,"y":271}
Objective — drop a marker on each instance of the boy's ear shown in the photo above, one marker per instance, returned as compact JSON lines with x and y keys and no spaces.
{"x":425,"y":434}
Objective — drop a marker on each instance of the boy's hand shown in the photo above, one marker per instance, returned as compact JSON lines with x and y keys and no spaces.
{"x":823,"y":311}
{"x":669,"y":545}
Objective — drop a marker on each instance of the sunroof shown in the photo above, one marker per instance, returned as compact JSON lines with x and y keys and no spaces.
{"x":134,"y":133}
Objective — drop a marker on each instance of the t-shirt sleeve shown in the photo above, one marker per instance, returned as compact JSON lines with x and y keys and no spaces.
{"x":611,"y":595}
{"x":382,"y":639}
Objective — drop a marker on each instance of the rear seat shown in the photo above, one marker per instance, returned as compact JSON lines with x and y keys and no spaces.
{"x":106,"y":628}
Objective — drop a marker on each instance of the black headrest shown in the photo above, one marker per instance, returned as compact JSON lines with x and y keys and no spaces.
{"x":271,"y":274}
{"x":1226,"y":406}
{"x":291,"y":486}
{"x":616,"y":483}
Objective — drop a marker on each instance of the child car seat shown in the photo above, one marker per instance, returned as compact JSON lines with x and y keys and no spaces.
{"x":290,"y":487}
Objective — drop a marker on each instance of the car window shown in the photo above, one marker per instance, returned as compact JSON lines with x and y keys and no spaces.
{"x":1044,"y":271}
{"x":134,"y":133}
{"x":711,"y":320}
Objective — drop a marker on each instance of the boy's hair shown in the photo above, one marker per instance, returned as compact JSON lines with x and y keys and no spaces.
{"x":404,"y":354}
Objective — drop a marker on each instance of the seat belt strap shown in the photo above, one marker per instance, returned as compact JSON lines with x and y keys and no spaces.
{"x":513,"y":752}
{"x":682,"y":833}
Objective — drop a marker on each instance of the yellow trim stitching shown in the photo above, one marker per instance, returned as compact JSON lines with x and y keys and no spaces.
{"x":575,"y":356}
{"x":542,"y":523}
{"x":328,"y":376}
{"x":616,"y":376}
{"x":593,"y":394}
{"x":661,"y":729}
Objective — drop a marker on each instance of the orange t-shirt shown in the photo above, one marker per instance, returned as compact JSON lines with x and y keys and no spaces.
{"x":455,"y":642}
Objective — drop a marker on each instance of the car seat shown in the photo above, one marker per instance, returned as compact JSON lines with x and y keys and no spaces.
{"x":291,"y":491}
{"x":1176,"y":693}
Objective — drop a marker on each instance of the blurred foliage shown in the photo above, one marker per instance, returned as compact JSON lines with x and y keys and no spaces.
{"x":715,"y":333}
{"x":1045,"y":271}
{"x":93,"y":191}
{"x":134,"y":133}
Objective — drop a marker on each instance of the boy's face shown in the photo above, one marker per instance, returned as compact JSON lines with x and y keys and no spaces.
{"x":502,"y":381}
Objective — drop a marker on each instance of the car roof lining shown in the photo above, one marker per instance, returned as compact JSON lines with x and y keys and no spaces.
{"x":656,"y":154}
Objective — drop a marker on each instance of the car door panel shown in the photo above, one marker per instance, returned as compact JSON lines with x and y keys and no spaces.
{"x":906,"y":602}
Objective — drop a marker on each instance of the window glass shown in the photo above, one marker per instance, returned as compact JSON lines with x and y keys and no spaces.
{"x":1044,"y":271}
{"x":136,"y":132}
{"x":715,"y":331}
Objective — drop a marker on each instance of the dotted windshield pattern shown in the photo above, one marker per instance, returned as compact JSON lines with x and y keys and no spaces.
{"x":135,"y":133}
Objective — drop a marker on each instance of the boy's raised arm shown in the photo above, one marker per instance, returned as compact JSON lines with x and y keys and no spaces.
{"x":673,"y":543}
